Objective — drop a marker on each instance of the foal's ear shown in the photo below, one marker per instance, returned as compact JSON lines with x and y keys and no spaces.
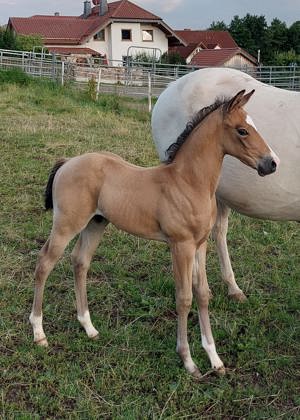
{"x":239,"y":100}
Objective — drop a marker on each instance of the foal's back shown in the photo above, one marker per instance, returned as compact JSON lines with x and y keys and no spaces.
{"x":103,"y":183}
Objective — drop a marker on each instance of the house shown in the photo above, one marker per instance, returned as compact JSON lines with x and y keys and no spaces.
{"x":212,"y":48}
{"x":227,"y":57}
{"x":112,"y":31}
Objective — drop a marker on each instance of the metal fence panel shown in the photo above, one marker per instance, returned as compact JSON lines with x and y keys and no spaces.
{"x":136,"y":79}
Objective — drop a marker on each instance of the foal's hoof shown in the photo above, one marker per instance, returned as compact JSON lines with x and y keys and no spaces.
{"x":42,"y":342}
{"x":238,"y":297}
{"x":196,"y":374}
{"x":220,"y":371}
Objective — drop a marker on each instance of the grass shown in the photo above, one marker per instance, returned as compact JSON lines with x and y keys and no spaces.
{"x":132,"y":371}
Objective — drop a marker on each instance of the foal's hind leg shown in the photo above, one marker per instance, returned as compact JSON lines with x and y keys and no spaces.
{"x":49,"y":255}
{"x":219,"y":233}
{"x":81,"y":257}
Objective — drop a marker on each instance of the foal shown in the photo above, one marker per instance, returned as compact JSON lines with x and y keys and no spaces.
{"x":173,"y":202}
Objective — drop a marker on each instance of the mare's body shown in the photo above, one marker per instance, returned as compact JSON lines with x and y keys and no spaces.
{"x":275,"y":113}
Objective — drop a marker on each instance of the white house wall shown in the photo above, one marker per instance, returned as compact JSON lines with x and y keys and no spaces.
{"x":103,"y":47}
{"x":113,"y":46}
{"x":120,"y":48}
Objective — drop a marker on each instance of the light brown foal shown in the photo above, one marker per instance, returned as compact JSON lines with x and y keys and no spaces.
{"x":173,"y":202}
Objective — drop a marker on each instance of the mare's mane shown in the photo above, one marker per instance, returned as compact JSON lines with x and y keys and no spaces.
{"x":190,"y":126}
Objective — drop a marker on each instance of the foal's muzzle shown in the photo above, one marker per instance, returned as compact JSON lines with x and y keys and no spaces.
{"x":266,"y":166}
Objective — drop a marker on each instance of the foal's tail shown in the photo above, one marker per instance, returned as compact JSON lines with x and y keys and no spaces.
{"x":48,"y":189}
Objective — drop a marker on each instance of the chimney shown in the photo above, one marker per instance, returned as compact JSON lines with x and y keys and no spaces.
{"x":103,"y":7}
{"x":87,"y":9}
{"x":56,"y":14}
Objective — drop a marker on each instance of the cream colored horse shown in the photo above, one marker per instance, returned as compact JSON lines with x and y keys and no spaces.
{"x":174,"y":203}
{"x":276,"y":114}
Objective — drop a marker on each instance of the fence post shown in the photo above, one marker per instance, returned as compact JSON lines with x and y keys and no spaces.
{"x":62,"y":72}
{"x":98,"y":84}
{"x":23,"y":61}
{"x":149,"y":91}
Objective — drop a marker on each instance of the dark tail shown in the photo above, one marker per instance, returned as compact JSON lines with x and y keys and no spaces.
{"x":48,"y":189}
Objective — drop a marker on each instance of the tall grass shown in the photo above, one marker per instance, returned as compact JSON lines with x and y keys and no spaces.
{"x":132,"y":371}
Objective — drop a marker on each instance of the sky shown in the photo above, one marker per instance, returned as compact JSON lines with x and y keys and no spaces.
{"x":179,"y":14}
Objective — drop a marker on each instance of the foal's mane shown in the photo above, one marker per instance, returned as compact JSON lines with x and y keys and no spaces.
{"x":193,"y":123}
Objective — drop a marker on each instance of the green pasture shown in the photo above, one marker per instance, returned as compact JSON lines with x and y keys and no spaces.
{"x":132,"y":371}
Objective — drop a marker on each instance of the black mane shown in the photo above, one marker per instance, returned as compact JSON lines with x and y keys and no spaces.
{"x":196,"y":120}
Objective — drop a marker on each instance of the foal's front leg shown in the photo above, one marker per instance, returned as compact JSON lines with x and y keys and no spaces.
{"x":202,"y":295}
{"x":183,"y":255}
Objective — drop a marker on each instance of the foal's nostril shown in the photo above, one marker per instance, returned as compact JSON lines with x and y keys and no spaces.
{"x":273,"y":166}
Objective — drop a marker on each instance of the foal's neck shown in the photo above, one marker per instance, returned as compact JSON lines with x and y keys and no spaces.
{"x":200,"y":159}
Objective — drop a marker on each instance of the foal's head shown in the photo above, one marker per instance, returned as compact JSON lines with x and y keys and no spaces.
{"x":241,"y":138}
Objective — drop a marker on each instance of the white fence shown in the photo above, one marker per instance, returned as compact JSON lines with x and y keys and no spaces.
{"x":136,"y":79}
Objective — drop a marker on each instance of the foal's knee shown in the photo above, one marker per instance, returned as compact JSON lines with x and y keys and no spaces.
{"x":183,"y":303}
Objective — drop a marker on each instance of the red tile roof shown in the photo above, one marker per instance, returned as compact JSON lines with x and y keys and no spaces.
{"x":73,"y":29}
{"x":55,"y":29}
{"x":74,"y":50}
{"x":128,"y":10}
{"x":218,"y":57}
{"x":221,"y":38}
{"x":185,"y":52}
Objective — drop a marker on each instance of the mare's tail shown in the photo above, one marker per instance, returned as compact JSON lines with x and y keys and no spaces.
{"x":48,"y":189}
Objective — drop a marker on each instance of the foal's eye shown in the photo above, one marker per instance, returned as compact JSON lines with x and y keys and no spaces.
{"x":242,"y":132}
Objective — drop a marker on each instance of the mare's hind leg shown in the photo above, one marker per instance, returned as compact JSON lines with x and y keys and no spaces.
{"x":81,"y":257}
{"x":219,"y":234}
{"x":48,"y":256}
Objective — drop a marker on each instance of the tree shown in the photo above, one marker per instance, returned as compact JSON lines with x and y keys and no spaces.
{"x":219,"y":25}
{"x":28,"y":42}
{"x":294,"y":36}
{"x":241,"y":33}
{"x":287,"y":58}
{"x":8,"y":40}
{"x":260,"y":38}
{"x":278,"y":33}
{"x":251,"y":33}
{"x":172,"y":58}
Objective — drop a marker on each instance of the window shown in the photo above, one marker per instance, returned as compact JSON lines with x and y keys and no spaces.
{"x":126,"y":34}
{"x":147,"y":35}
{"x":100,"y":36}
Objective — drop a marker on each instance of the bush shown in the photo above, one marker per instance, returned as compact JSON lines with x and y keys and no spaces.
{"x":92,"y":89}
{"x":110,"y":103}
{"x":14,"y":76}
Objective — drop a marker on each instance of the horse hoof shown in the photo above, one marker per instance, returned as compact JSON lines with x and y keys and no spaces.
{"x":238,"y":297}
{"x":94,"y":337}
{"x":42,"y":342}
{"x":196,"y":374}
{"x":220,"y":371}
